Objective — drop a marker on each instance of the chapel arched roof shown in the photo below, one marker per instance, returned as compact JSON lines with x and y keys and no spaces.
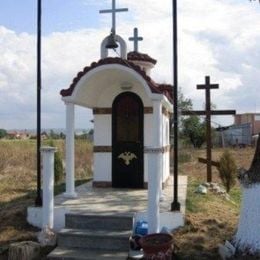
{"x":154,"y":87}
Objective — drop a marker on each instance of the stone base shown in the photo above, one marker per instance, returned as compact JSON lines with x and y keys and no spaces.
{"x":71,"y":195}
{"x":170,"y":220}
{"x":167,"y":182}
{"x":47,"y":237}
{"x":34,"y":217}
{"x":24,"y":250}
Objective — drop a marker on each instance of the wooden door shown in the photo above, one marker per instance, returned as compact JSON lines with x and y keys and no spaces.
{"x":127,"y":143}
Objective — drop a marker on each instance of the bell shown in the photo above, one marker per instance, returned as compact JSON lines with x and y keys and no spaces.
{"x":111,"y":42}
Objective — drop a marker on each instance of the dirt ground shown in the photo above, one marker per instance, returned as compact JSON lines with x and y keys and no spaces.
{"x":210,"y":219}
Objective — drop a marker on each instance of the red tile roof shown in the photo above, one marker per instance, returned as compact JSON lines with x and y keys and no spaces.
{"x":167,"y":90}
{"x":133,"y":55}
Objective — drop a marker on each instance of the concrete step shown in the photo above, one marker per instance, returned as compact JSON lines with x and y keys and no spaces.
{"x":103,"y":222}
{"x":94,"y":239}
{"x":85,"y":254}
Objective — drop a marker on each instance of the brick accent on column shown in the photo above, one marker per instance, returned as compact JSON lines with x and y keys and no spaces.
{"x":102,"y":184}
{"x":102,"y":149}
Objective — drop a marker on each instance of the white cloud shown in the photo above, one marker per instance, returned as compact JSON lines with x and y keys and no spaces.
{"x":216,"y":37}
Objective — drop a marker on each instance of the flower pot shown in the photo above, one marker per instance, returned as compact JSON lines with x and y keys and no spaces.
{"x":157,"y":246}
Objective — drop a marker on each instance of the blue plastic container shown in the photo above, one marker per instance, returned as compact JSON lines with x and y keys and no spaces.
{"x":141,"y":228}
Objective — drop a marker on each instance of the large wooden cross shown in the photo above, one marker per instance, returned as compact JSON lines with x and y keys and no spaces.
{"x":114,"y":10}
{"x":208,"y":113}
{"x":135,"y":39}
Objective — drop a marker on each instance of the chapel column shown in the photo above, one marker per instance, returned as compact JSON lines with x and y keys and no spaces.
{"x":155,"y":171}
{"x":48,"y":186}
{"x":70,"y":163}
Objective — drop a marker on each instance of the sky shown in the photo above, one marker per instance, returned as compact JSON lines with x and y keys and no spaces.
{"x":219,"y":38}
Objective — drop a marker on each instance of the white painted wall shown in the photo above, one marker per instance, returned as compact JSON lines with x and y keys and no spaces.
{"x":102,"y":167}
{"x":148,"y":126}
{"x":102,"y":130}
{"x":103,"y":136}
{"x":108,"y":94}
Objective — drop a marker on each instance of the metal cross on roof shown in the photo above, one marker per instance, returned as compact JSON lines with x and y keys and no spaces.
{"x":113,"y":11}
{"x":135,"y":39}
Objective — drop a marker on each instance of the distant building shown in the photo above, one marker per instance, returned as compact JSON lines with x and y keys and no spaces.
{"x":249,"y":118}
{"x":12,"y":135}
{"x":234,"y":135}
{"x":244,"y":131}
{"x":18,"y":135}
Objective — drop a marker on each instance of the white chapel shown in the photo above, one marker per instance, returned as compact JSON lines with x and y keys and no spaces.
{"x":131,"y":134}
{"x":131,"y":121}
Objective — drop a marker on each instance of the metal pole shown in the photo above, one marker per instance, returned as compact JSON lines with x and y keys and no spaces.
{"x":38,"y":200}
{"x":175,"y":206}
{"x":208,"y":127}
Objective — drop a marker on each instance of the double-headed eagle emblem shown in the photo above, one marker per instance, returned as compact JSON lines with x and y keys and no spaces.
{"x":127,"y":157}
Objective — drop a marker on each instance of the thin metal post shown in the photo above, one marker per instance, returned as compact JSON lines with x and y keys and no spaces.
{"x":208,"y":127}
{"x":38,"y":200}
{"x":175,"y":206}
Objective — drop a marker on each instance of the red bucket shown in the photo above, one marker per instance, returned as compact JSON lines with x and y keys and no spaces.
{"x":157,"y":246}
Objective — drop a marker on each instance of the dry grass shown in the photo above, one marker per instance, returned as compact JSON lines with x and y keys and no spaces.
{"x":18,"y":183}
{"x":210,"y":219}
{"x":192,"y":168}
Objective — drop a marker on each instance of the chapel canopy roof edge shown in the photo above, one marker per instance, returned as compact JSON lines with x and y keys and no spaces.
{"x":154,"y":87}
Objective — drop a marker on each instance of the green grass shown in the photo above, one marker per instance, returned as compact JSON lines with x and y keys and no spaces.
{"x":184,"y":157}
{"x":196,"y":202}
{"x":236,"y":196}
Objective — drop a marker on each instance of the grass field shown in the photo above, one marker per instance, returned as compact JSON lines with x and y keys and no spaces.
{"x":18,"y":184}
{"x":210,"y":218}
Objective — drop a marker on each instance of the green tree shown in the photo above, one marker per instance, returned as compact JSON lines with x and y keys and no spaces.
{"x":62,"y":135}
{"x":3,"y":133}
{"x":54,"y":135}
{"x":194,"y":130}
{"x":58,"y":167}
{"x":191,"y":127}
{"x":184,"y":103}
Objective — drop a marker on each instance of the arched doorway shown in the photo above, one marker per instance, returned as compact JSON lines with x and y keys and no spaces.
{"x":127,"y":141}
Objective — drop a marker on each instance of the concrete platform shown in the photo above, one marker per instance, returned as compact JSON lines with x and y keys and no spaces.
{"x":98,"y":201}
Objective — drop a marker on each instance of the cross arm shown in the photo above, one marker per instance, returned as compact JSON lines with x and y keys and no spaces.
{"x":211,"y":86}
{"x":203,"y":112}
{"x":213,"y":163}
{"x":110,"y":11}
{"x":133,"y":38}
{"x":223,"y":112}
